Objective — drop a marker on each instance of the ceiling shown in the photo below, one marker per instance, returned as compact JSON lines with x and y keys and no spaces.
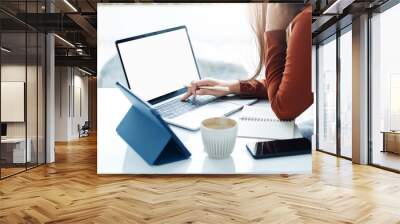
{"x":76,"y":22}
{"x":75,"y":25}
{"x":329,"y":16}
{"x":72,"y":20}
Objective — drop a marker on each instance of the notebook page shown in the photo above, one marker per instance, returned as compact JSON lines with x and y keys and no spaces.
{"x":261,"y":122}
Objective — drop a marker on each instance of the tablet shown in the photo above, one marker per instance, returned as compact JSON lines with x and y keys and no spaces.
{"x":145,"y":131}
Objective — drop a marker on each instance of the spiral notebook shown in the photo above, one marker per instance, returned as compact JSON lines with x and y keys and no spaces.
{"x":261,"y":122}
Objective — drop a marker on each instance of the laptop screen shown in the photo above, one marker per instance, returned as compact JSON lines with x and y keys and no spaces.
{"x":158,"y":63}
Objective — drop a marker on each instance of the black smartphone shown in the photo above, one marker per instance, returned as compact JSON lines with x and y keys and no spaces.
{"x":276,"y":148}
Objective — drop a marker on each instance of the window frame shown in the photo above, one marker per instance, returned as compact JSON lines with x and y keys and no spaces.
{"x":343,"y":31}
{"x":333,"y":37}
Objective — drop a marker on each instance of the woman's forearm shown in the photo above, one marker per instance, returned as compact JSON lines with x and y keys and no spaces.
{"x":234,"y":87}
{"x":253,"y":88}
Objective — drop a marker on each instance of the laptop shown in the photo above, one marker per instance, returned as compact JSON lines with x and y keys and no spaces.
{"x":157,"y":67}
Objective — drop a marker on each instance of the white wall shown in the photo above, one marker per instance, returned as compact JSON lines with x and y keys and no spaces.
{"x":80,"y":103}
{"x":62,"y":81}
{"x":71,"y":94}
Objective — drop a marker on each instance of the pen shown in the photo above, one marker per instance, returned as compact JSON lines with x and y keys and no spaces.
{"x":219,"y":88}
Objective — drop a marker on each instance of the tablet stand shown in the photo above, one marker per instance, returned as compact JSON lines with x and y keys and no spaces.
{"x":151,"y":138}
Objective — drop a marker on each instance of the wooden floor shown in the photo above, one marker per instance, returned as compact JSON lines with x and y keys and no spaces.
{"x":5,"y":172}
{"x":70,"y":191}
{"x":386,"y":159}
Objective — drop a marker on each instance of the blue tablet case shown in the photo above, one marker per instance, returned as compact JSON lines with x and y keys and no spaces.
{"x":143,"y":130}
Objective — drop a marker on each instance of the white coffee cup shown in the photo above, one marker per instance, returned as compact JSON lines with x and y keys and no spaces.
{"x":219,"y":136}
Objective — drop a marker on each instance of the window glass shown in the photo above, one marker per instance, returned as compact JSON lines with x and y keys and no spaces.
{"x":346,"y":94}
{"x":385,"y":87}
{"x":327,"y":96}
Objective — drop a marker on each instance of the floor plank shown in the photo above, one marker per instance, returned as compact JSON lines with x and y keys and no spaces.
{"x":70,"y":191}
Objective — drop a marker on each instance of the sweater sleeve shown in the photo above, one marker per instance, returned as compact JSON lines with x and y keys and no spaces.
{"x":288,"y":68}
{"x":253,"y":88}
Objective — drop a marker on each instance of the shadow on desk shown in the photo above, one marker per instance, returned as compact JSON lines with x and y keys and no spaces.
{"x":226,"y":165}
{"x":209,"y":166}
{"x":143,"y":167}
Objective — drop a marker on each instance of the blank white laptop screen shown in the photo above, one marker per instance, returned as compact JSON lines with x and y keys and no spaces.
{"x":158,"y":64}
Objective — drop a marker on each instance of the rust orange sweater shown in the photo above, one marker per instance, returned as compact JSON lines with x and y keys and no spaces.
{"x":287,"y":83}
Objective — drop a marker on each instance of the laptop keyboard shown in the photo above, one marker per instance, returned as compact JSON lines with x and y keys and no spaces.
{"x":177,"y":107}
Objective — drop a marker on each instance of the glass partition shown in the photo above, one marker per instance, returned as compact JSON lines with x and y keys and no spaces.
{"x":31,"y":100}
{"x":22,"y":78}
{"x":33,"y":73}
{"x":41,"y":97}
{"x":13,"y":105}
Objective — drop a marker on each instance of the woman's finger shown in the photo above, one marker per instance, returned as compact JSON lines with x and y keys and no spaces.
{"x":187,"y":95}
{"x":193,"y":88}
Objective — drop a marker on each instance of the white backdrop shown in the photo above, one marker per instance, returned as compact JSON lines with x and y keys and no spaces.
{"x":221,"y":35}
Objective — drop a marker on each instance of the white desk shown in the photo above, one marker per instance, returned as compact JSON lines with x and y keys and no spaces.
{"x":114,"y":156}
{"x":19,"y":155}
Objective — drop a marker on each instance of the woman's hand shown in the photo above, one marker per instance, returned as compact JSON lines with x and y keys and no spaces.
{"x":194,"y":89}
{"x":280,"y":15}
